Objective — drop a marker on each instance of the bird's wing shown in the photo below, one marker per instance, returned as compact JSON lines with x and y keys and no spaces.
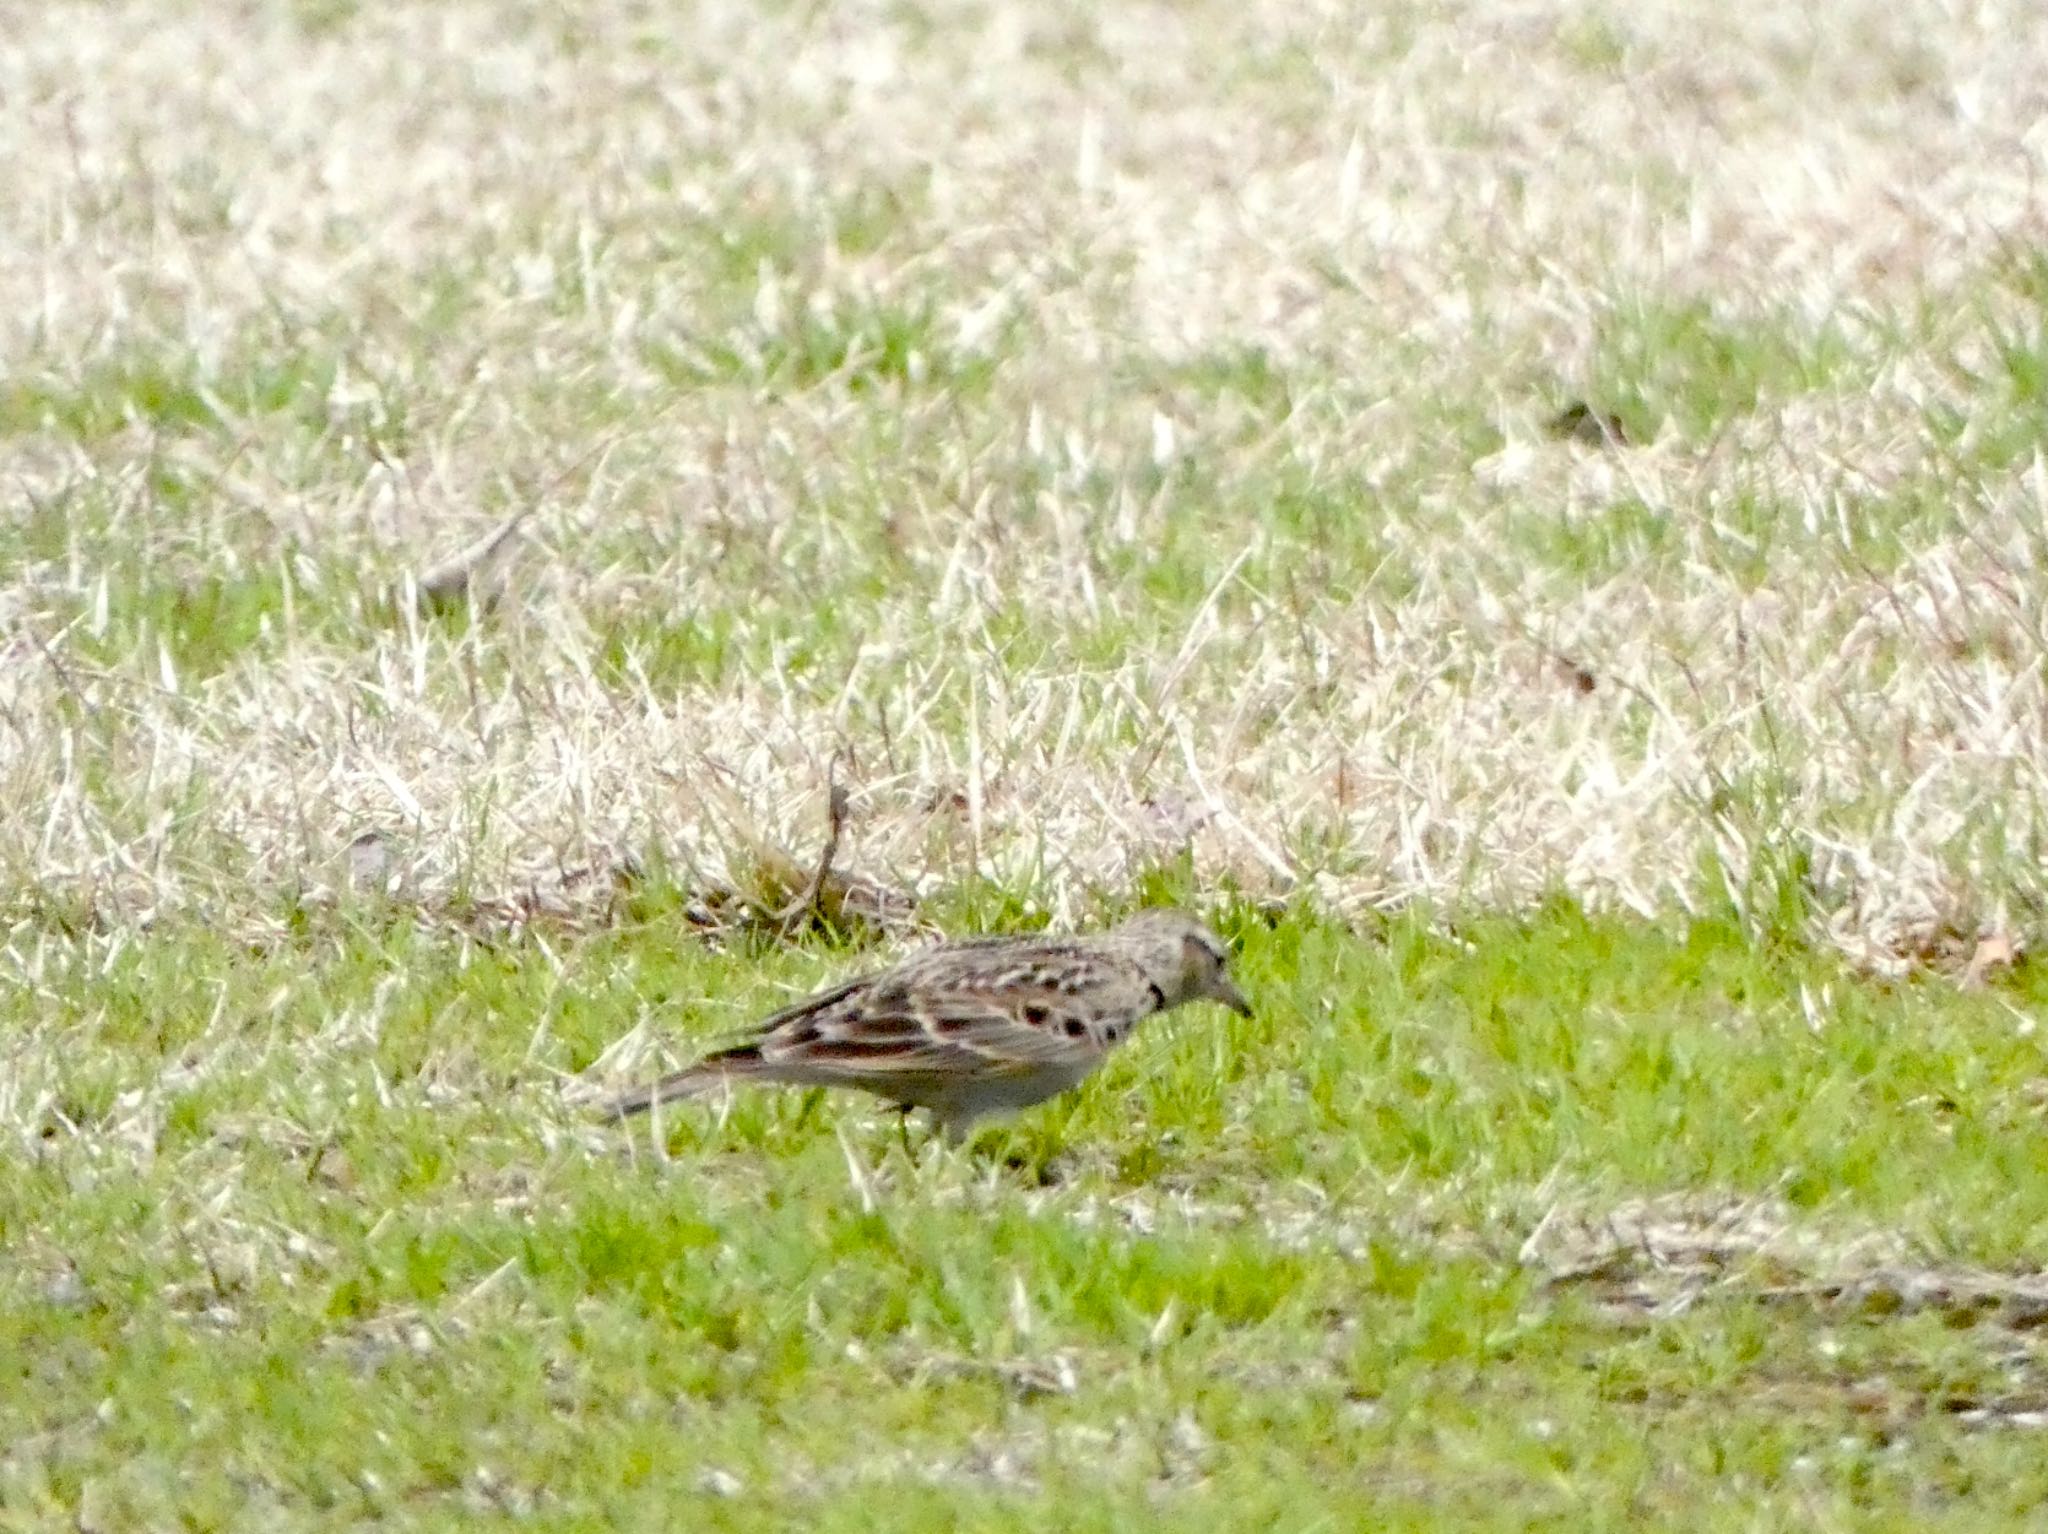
{"x":994,"y":1010}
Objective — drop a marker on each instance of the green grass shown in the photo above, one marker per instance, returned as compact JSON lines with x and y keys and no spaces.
{"x":1659,"y":359}
{"x":164,"y":392}
{"x":304,"y":1231}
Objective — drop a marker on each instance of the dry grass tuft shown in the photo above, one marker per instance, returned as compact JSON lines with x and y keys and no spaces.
{"x":1662,"y":1255}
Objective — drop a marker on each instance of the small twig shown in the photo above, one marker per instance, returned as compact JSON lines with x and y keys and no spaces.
{"x":807,"y":905}
{"x":63,"y":672}
{"x":456,"y":579}
{"x":453,"y":580}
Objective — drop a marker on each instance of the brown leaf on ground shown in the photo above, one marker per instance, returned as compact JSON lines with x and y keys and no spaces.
{"x":1576,"y":676}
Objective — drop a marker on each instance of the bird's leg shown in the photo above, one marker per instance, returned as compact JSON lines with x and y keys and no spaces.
{"x":903,"y":1111}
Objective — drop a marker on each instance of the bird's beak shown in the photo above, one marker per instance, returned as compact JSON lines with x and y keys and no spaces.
{"x":1231,"y":996}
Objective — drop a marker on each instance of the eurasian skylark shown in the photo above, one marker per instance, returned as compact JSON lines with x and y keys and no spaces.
{"x":975,"y":1027}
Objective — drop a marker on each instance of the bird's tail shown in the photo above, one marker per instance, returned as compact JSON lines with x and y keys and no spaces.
{"x":691,"y":1081}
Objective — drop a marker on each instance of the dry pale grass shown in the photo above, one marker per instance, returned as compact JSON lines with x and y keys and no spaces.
{"x":1424,"y":219}
{"x":1663,"y":1255}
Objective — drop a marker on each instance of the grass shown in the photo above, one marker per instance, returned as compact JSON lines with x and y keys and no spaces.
{"x":1134,"y":457}
{"x":1295,"y":1263}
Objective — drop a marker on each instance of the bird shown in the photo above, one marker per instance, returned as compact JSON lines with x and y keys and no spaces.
{"x":974,"y":1026}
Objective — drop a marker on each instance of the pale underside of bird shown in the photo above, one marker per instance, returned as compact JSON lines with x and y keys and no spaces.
{"x":974,"y":1027}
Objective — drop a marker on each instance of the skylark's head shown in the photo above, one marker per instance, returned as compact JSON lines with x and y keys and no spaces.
{"x":1182,"y":957}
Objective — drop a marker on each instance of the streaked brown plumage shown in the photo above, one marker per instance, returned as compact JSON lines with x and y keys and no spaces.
{"x":974,"y":1027}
